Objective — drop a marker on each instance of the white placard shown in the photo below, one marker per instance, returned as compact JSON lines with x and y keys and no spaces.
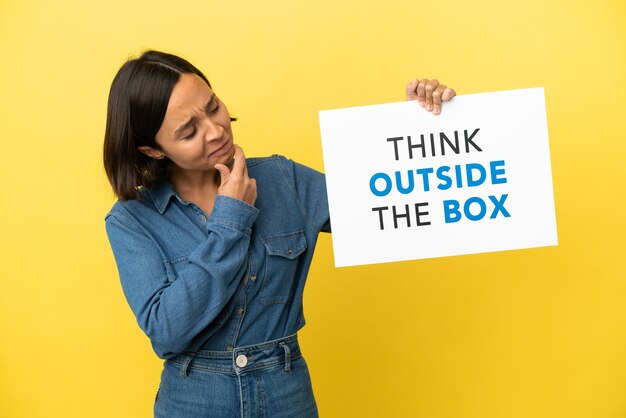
{"x":404,"y":184}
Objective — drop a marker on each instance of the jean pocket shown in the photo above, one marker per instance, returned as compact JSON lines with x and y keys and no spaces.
{"x":281,"y":260}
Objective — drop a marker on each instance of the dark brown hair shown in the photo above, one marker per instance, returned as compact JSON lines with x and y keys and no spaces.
{"x":138,"y":100}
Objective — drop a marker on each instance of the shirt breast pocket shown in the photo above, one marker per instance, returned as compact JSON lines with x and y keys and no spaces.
{"x":281,"y":260}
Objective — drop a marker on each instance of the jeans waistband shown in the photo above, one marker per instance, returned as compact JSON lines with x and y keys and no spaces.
{"x":242,"y":359}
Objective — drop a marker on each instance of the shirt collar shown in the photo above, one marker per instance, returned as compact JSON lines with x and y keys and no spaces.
{"x":162,"y":191}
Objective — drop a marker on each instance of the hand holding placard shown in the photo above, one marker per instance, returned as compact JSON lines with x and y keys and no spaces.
{"x":429,"y":94}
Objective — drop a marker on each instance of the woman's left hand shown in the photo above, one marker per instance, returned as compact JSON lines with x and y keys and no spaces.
{"x":429,"y":93}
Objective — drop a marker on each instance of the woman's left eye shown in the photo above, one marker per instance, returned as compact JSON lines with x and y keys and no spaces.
{"x":215,"y":109}
{"x":191,"y":134}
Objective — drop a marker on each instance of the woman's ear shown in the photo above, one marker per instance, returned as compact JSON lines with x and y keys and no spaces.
{"x":151,"y":152}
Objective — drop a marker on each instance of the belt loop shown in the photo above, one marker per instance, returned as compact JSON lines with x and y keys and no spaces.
{"x":186,"y":362}
{"x":287,"y":356}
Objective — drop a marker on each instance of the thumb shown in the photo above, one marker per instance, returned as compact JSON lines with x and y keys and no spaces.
{"x":224,"y":171}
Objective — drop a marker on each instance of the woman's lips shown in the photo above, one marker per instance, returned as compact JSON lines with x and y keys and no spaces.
{"x":221,"y":150}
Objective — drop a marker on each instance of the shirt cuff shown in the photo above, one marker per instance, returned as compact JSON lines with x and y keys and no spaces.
{"x":233,"y":213}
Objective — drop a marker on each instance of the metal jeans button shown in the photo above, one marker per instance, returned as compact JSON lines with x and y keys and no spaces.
{"x":241,"y":360}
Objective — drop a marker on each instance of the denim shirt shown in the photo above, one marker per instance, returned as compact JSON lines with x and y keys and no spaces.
{"x":236,"y":277}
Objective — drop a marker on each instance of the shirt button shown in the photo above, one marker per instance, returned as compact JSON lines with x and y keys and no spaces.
{"x":203,"y":218}
{"x":253,"y":278}
{"x":239,"y":311}
{"x":241,"y":360}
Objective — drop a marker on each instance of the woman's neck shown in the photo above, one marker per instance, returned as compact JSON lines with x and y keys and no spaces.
{"x":195,"y":185}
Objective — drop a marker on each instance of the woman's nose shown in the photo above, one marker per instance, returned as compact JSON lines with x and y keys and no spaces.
{"x":213,"y":130}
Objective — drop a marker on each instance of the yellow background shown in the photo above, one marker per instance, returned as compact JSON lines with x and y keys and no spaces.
{"x":529,"y":333}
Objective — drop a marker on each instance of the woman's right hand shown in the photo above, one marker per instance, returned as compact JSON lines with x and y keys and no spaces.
{"x":235,"y":182}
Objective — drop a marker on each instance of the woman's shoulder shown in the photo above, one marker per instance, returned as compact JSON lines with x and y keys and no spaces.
{"x":279,"y":165}
{"x":271,"y":159}
{"x":149,"y":201}
{"x":269,"y":166}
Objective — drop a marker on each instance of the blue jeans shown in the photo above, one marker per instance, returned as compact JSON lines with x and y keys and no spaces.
{"x":269,"y":380}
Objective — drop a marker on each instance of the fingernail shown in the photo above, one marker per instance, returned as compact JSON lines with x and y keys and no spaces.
{"x":429,"y":107}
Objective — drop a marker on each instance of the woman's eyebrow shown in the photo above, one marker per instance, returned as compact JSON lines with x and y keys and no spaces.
{"x":184,"y":125}
{"x":191,"y":119}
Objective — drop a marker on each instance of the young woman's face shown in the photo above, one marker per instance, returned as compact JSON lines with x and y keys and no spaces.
{"x":196,"y":132}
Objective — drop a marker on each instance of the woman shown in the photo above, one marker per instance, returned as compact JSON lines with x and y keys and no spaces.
{"x":213,"y":271}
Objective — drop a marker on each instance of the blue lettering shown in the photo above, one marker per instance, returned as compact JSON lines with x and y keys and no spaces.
{"x":459,"y":178}
{"x":387,"y":188}
{"x":402,"y":189}
{"x":425,"y":172}
{"x":451,"y":211}
{"x":468,"y":213}
{"x":471,"y":182}
{"x":499,"y":206}
{"x":495,"y":172}
{"x":447,"y":180}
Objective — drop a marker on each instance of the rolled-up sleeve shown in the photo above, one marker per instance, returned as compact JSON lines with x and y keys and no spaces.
{"x":172,"y":313}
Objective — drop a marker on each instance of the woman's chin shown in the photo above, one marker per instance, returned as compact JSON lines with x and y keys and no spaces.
{"x":230,"y":160}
